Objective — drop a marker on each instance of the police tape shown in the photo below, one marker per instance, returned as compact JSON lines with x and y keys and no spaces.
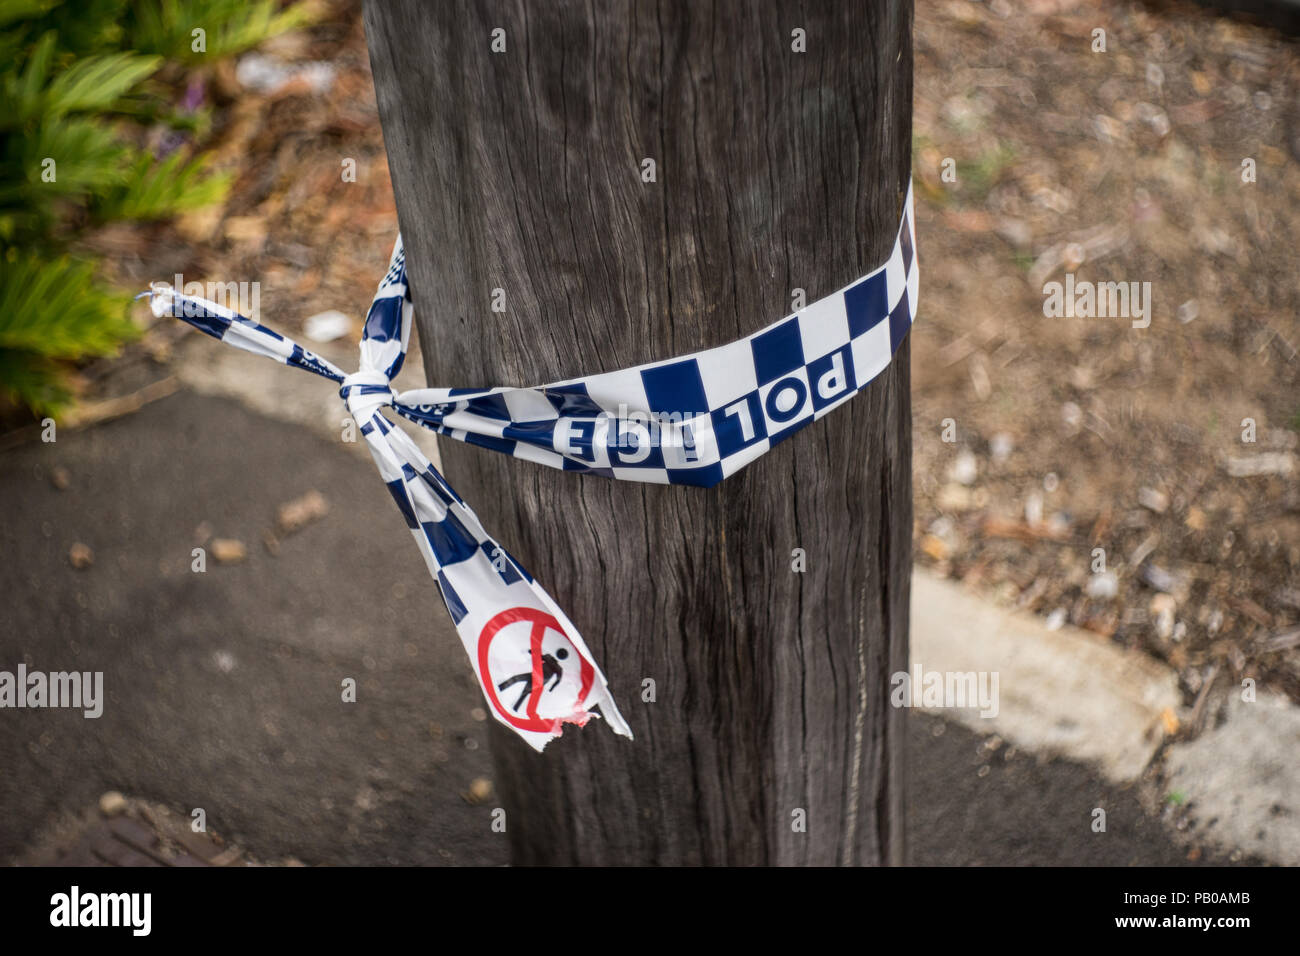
{"x":692,"y":420}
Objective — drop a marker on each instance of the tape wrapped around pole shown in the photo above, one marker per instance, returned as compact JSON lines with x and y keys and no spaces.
{"x":693,"y":420}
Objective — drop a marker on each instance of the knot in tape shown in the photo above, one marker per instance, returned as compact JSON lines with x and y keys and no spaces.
{"x":366,"y":391}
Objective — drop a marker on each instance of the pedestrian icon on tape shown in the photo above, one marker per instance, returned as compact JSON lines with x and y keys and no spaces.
{"x":528,"y":649}
{"x":550,"y":668}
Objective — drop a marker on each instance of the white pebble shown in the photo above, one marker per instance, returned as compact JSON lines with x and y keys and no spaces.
{"x":965,"y":468}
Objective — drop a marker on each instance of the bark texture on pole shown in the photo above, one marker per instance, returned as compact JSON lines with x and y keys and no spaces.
{"x":775,"y":170}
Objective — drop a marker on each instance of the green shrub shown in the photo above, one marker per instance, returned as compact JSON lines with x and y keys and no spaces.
{"x":82,"y":85}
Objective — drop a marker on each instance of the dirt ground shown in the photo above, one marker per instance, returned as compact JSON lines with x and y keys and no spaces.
{"x":1080,"y":433}
{"x":1067,"y":434}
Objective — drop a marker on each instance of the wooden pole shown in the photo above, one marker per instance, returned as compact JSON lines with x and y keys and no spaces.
{"x":524,"y":170}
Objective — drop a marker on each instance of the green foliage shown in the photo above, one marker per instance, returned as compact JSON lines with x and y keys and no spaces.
{"x":58,"y":289}
{"x":52,"y":310}
{"x":153,"y":190}
{"x":88,"y":90}
{"x":229,"y":26}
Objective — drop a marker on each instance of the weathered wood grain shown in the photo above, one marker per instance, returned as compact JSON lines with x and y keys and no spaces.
{"x":522,"y":171}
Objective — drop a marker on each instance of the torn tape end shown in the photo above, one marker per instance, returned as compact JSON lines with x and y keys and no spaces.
{"x":161,"y":299}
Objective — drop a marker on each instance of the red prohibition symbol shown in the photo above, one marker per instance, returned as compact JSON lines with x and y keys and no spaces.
{"x":541,"y":622}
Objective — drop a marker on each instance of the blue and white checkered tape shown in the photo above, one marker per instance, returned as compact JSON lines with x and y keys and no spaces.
{"x":692,"y":420}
